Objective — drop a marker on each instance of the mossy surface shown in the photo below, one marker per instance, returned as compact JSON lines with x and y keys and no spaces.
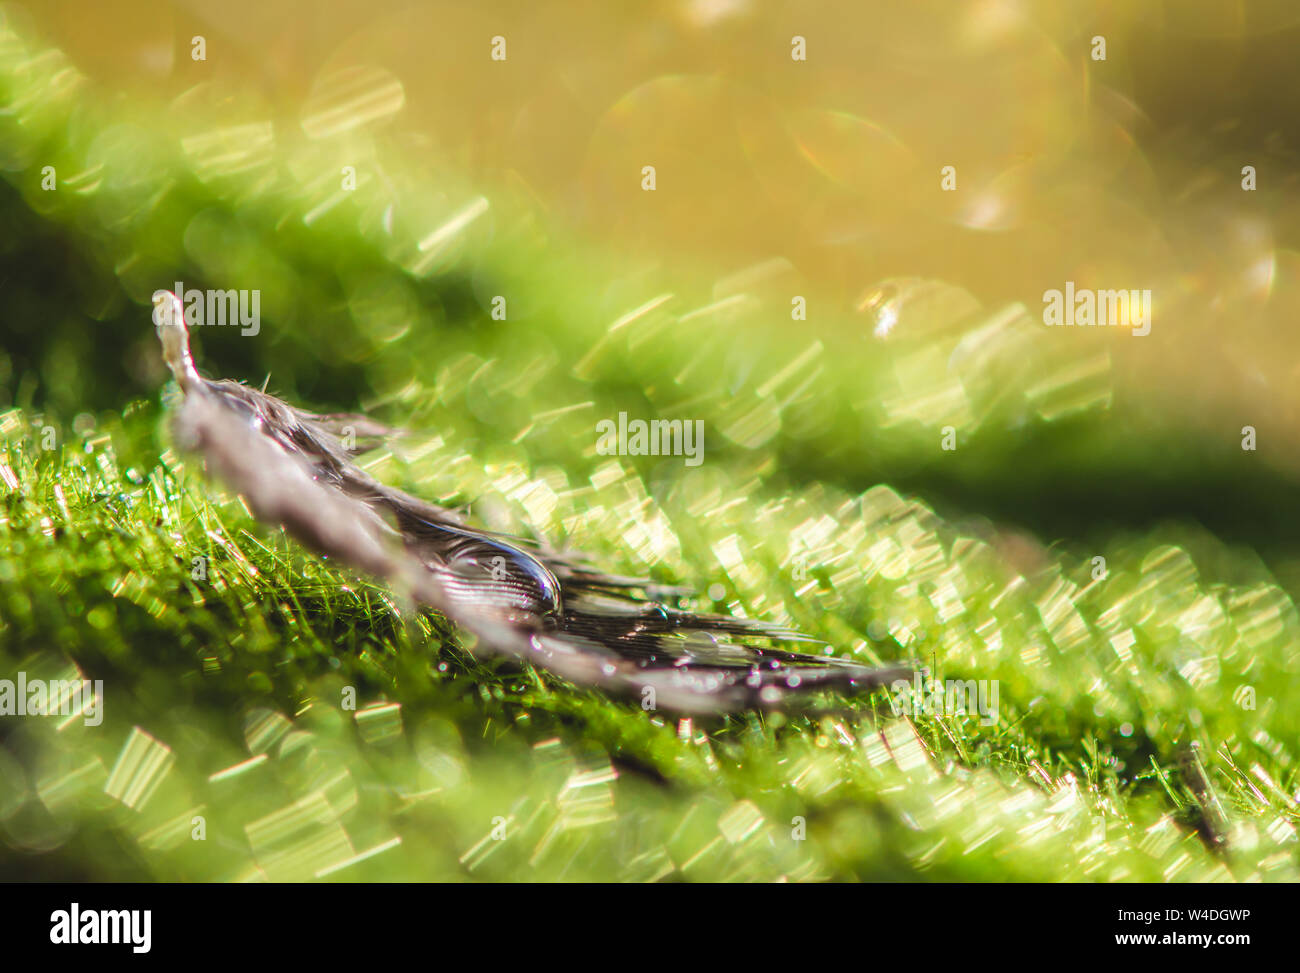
{"x":270,"y":716}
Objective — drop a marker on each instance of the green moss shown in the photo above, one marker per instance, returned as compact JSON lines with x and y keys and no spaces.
{"x":226,"y":690}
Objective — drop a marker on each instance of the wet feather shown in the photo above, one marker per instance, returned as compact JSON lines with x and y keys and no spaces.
{"x":517,"y":597}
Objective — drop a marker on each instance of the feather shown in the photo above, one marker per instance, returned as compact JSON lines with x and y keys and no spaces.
{"x":517,"y":597}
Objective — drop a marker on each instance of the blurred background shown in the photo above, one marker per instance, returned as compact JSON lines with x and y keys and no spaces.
{"x":775,"y":177}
